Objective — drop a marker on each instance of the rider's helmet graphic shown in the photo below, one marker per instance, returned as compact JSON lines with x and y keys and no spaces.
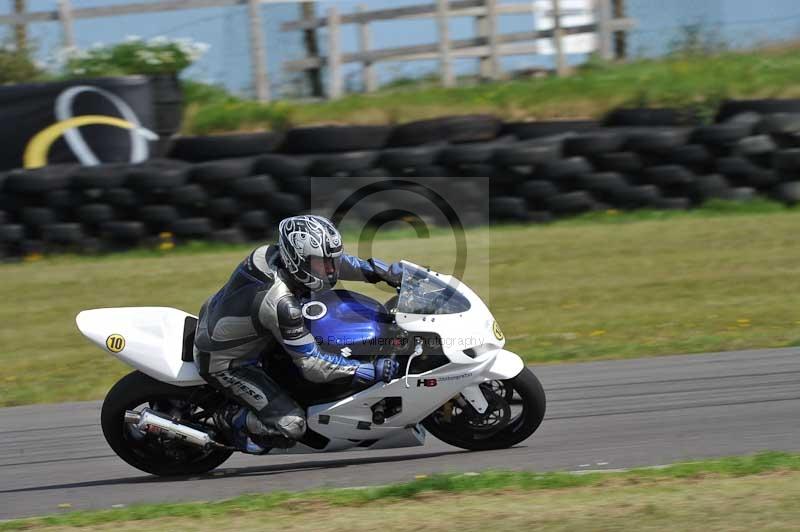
{"x":311,"y":249}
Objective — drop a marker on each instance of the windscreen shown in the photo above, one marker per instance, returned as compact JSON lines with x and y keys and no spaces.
{"x":423,"y":292}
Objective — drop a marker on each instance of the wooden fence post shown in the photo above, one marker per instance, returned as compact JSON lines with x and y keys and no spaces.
{"x":620,"y":36}
{"x":335,"y":81}
{"x":258,"y":52}
{"x":364,"y":43}
{"x":491,"y":21}
{"x":482,"y":30}
{"x":558,"y":40}
{"x":603,"y":34}
{"x":445,"y":58}
{"x":20,"y":30}
{"x":65,"y":15}
{"x":308,"y":12}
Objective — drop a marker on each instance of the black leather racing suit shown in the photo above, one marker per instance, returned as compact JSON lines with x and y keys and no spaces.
{"x":256,"y":307}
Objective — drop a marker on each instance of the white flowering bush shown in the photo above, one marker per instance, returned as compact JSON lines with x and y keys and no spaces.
{"x":159,"y":55}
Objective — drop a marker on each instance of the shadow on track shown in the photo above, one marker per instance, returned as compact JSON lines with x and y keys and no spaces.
{"x":240,"y":472}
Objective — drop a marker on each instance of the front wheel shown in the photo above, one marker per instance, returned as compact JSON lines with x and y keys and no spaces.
{"x":505,"y":423}
{"x":148,"y":452}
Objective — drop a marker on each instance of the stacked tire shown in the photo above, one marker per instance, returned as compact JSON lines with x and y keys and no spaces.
{"x":115,"y":207}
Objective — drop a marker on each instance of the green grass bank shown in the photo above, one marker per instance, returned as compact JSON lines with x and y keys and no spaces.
{"x":684,"y":80}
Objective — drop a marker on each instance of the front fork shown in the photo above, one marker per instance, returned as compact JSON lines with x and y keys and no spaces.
{"x":474,"y":396}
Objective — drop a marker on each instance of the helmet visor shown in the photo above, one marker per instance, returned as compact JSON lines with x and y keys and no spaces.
{"x":325,"y":267}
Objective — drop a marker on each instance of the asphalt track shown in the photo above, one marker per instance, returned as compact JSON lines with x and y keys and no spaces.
{"x":602,"y":415}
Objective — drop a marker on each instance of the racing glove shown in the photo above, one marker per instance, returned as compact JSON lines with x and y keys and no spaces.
{"x":391,"y":274}
{"x":394,"y":277}
{"x":384,"y":369}
{"x":371,"y":271}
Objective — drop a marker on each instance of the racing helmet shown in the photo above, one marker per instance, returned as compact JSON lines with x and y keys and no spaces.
{"x":311,"y":250}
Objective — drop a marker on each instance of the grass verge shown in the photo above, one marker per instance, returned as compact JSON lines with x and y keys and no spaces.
{"x":691,"y":81}
{"x":601,"y":287}
{"x":760,"y":489}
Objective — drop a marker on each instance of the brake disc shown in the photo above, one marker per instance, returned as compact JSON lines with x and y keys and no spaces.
{"x":495,"y":418}
{"x":500,"y":388}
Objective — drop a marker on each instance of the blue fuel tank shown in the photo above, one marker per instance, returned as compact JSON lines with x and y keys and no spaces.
{"x":349,"y":323}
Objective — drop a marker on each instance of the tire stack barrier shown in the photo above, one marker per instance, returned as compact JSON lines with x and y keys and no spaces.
{"x":234,"y":188}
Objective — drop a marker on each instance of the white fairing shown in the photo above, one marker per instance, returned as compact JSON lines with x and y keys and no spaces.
{"x":421,"y":395}
{"x":472,"y":329}
{"x":153,"y":340}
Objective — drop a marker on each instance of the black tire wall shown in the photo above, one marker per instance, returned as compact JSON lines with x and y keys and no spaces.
{"x":537,"y":171}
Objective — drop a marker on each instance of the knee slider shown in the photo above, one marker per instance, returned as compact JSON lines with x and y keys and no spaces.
{"x":292,"y":426}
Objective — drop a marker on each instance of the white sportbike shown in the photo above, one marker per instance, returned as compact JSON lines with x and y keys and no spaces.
{"x":456,"y":380}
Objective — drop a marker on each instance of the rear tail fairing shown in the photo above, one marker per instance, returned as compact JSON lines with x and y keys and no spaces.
{"x":150,"y":339}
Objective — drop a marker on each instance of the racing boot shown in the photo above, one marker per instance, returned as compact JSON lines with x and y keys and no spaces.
{"x":237,"y":420}
{"x":252,"y":436}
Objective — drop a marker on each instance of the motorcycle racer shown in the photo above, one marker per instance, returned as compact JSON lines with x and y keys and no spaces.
{"x":259,"y":309}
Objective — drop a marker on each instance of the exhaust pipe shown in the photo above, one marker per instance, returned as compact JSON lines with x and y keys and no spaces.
{"x":149,"y":421}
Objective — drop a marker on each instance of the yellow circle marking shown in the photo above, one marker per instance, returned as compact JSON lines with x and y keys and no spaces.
{"x":36,"y":150}
{"x":497,"y":332}
{"x":115,"y":343}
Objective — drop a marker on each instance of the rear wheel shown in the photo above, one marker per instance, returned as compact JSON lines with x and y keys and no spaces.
{"x":516,"y":409}
{"x":152,"y":453}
